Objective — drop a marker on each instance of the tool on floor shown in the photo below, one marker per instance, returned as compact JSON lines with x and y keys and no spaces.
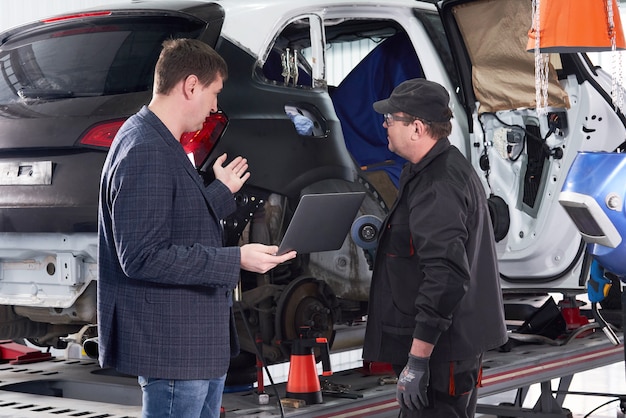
{"x":387,"y":380}
{"x":338,"y":390}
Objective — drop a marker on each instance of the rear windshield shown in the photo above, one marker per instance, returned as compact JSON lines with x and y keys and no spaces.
{"x":102,"y":57}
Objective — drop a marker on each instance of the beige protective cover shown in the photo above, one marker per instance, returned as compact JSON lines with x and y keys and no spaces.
{"x":495,"y":33}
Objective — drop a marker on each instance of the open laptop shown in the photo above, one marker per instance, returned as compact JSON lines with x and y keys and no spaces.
{"x":321,"y":222}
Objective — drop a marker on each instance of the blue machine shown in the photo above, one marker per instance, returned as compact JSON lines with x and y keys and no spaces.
{"x":593,"y":196}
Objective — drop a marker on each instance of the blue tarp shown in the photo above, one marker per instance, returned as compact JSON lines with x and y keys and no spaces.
{"x":386,"y":66}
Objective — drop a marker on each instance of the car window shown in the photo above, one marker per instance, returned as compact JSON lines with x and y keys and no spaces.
{"x":359,"y":60}
{"x":338,"y":66}
{"x":366,"y":59}
{"x":76,"y":60}
{"x":286,"y":63}
{"x":349,"y":42}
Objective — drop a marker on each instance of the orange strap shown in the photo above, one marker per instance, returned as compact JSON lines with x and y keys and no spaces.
{"x":451,"y":385}
{"x":451,"y":388}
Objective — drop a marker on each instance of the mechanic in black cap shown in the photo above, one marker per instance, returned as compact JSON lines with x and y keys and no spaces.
{"x":435,"y":302}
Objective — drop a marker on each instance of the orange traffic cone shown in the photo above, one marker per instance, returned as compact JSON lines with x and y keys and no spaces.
{"x":303,"y":381}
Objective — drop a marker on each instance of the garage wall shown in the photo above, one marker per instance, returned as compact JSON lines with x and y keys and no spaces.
{"x":14,"y":13}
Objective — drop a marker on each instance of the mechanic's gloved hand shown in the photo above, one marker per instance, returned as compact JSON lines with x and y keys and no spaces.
{"x":412,"y":384}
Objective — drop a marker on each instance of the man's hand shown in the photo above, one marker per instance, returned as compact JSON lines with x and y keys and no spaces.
{"x":234,"y":175}
{"x":259,"y":258}
{"x":412,"y":384}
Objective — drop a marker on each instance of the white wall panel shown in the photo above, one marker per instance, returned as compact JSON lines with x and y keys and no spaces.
{"x":341,"y":58}
{"x":16,"y":12}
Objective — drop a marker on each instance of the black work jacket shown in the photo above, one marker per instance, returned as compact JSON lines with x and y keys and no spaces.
{"x":435,"y":275}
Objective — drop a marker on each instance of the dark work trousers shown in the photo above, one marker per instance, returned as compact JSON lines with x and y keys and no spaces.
{"x":452,"y":391}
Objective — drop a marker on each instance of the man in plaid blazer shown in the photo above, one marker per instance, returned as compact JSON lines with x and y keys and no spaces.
{"x":165,"y":279}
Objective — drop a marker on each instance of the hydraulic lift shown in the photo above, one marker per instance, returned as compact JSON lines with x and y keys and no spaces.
{"x":67,"y":387}
{"x":518,"y":369}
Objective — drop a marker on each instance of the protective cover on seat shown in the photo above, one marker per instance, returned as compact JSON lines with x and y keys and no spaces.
{"x":386,"y":66}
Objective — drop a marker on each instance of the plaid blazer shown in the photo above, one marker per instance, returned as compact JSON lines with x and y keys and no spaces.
{"x":165,"y":279}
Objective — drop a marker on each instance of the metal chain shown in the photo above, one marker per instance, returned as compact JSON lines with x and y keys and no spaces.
{"x":541,"y":64}
{"x":617,"y":91}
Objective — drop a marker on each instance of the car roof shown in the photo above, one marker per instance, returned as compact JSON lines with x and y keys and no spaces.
{"x":265,"y":16}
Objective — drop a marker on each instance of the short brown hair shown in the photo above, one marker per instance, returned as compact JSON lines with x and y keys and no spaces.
{"x":440,"y":130}
{"x":437,"y":130}
{"x":181,"y":58}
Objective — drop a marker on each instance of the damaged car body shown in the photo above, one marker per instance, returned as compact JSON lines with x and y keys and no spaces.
{"x":304,"y":120}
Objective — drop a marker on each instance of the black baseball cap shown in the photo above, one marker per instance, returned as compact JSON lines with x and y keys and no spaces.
{"x":418,"y":97}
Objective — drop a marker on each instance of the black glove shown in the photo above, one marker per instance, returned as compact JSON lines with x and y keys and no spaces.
{"x":412,"y":384}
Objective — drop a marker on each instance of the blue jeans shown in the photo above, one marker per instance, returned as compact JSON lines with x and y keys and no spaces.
{"x":164,"y":398}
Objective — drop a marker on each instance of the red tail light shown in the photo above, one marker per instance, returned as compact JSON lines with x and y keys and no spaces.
{"x":76,"y":16}
{"x":200,"y":143}
{"x":102,"y":134}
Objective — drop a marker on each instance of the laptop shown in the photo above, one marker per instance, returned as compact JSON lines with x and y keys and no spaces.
{"x":321,"y":222}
